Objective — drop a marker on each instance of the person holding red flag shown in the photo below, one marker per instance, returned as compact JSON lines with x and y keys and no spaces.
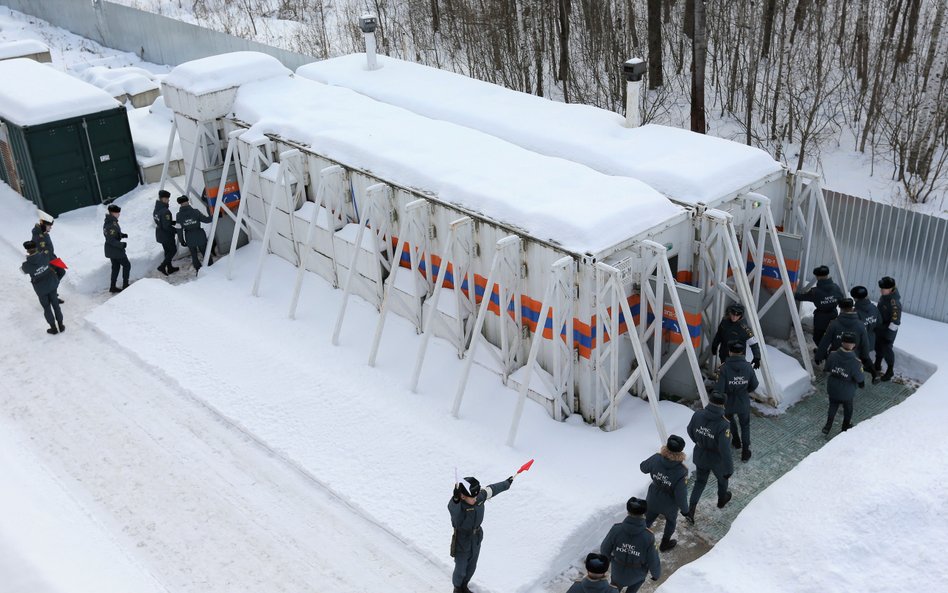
{"x":44,"y":244}
{"x":45,"y":283}
{"x":467,"y":513}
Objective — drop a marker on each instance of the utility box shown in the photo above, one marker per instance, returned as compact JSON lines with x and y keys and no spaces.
{"x":64,"y":144}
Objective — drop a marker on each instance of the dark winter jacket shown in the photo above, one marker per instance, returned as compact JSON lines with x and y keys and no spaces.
{"x":668,"y":492}
{"x":846,"y":322}
{"x":845,"y":373}
{"x":711,"y":433}
{"x":736,"y":379}
{"x":826,"y":295}
{"x":41,"y":273}
{"x":730,"y":330}
{"x":869,"y":314}
{"x":466,"y":518}
{"x":631,"y":547}
{"x":890,"y":315}
{"x":114,"y":246}
{"x":43,"y":243}
{"x":164,"y":225}
{"x":588,"y":585}
{"x":189,"y":223}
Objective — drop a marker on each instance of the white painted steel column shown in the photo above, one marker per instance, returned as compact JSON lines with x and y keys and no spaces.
{"x":231,"y":147}
{"x":268,"y":231}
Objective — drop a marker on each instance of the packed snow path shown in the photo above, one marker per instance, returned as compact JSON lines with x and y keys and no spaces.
{"x":198,"y":503}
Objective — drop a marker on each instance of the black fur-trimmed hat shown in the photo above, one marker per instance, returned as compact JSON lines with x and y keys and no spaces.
{"x":735,"y":308}
{"x":859,"y":292}
{"x":820,"y":271}
{"x":114,"y":208}
{"x":183,"y":199}
{"x":636,"y":506}
{"x":675,"y":444}
{"x":847,"y":338}
{"x":847,"y":304}
{"x":716,"y":398}
{"x":736,"y":346}
{"x":163,"y":193}
{"x":887,"y":282}
{"x":29,"y":245}
{"x":597,"y":563}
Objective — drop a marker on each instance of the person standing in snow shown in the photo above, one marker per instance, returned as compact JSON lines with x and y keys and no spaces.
{"x":890,"y":317}
{"x":45,"y":283}
{"x":631,"y":548}
{"x":668,"y":492}
{"x":845,"y":373}
{"x":736,"y":379}
{"x":115,"y":248}
{"x":826,"y":294}
{"x":848,"y":321}
{"x":164,"y":231}
{"x":467,"y":513}
{"x":595,"y":582}
{"x":734,"y":327}
{"x":44,"y":243}
{"x":191,"y":233}
{"x":868,"y":313}
{"x":711,"y":433}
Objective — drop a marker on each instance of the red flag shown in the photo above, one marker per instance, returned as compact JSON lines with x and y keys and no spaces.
{"x":59,"y":264}
{"x":525,"y":466}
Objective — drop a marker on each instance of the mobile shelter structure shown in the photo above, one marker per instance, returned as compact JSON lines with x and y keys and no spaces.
{"x":529,"y":258}
{"x":766,"y":210}
{"x":64,"y":143}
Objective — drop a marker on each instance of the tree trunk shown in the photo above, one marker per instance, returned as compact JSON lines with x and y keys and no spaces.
{"x":933,"y":48}
{"x":910,"y":30}
{"x":770,"y":7}
{"x":689,"y":19}
{"x":435,"y":16}
{"x":564,"y":10}
{"x":699,"y":54}
{"x":655,"y":79}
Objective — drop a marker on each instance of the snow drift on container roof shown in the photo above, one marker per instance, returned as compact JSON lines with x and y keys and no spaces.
{"x":688,"y":167}
{"x":224,"y":71}
{"x":34,"y":93}
{"x":22,"y":47}
{"x":548,"y":198}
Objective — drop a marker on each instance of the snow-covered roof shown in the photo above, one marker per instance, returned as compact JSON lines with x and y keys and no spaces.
{"x":224,"y":71}
{"x":689,"y":168}
{"x":21,"y":47}
{"x":42,"y":94}
{"x":550,"y":199}
{"x":120,"y":81}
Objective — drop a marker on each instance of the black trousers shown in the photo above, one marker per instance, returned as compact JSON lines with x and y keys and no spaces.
{"x":670,"y":522}
{"x":124,"y":264}
{"x":171,"y":248}
{"x":197,"y":252}
{"x":701,"y":480}
{"x":51,"y":310}
{"x":821,"y":320}
{"x":884,"y":351}
{"x":847,"y":412}
{"x":745,"y":434}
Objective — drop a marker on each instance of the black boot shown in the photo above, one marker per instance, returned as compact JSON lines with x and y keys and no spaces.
{"x":690,"y":515}
{"x":746,"y":455}
{"x":114,"y":289}
{"x":172,"y":269}
{"x":827,"y":427}
{"x":878,"y":365}
{"x":164,"y":269}
{"x":723,"y":501}
{"x":735,"y":441}
{"x":667,"y":544}
{"x":62,"y":327}
{"x":846,"y":426}
{"x":52,"y":330}
{"x":888,"y":375}
{"x":61,"y":302}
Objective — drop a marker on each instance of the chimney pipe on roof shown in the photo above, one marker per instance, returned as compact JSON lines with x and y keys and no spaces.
{"x":368,"y":23}
{"x":633,"y":70}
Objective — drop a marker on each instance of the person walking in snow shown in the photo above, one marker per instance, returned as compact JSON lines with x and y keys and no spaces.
{"x":845,"y":374}
{"x":868,"y":313}
{"x":668,"y":492}
{"x":848,"y":321}
{"x":466,"y":508}
{"x":115,"y":248}
{"x":164,"y":231}
{"x":45,"y":283}
{"x":191,"y":234}
{"x":736,"y":379}
{"x":597,"y":565}
{"x":631,"y":548}
{"x":826,"y":294}
{"x":734,"y":327}
{"x":711,"y":433}
{"x":890,"y":318}
{"x":44,"y":243}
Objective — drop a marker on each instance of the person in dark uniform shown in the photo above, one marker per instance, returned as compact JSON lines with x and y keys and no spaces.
{"x":848,"y":321}
{"x":736,"y":379}
{"x":845,"y":373}
{"x":467,"y":513}
{"x":631,"y":548}
{"x":826,"y":294}
{"x":44,"y":243}
{"x":597,"y":565}
{"x":890,"y":318}
{"x":164,"y":232}
{"x":45,"y":283}
{"x":734,"y":327}
{"x":711,"y":433}
{"x":668,"y":492}
{"x":191,"y":233}
{"x":115,"y":248}
{"x":867,"y":311}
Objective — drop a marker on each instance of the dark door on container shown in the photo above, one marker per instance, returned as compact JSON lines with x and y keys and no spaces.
{"x":60,"y":164}
{"x":113,"y":154}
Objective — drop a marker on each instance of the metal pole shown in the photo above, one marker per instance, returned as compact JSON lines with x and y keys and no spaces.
{"x":267,"y":233}
{"x":231,"y":143}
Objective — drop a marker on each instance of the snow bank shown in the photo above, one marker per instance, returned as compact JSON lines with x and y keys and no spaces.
{"x":688,"y":167}
{"x":548,"y":198}
{"x":43,"y":94}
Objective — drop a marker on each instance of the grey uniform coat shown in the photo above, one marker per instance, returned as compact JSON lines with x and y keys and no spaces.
{"x":41,"y":274}
{"x":711,"y":433}
{"x":668,"y":492}
{"x":189,"y":221}
{"x":826,"y":295}
{"x":588,"y":585}
{"x":846,"y":322}
{"x":631,"y":548}
{"x":729,"y":330}
{"x":869,"y":314}
{"x":466,"y":520}
{"x":43,"y":243}
{"x":114,"y":247}
{"x":890,"y":315}
{"x":845,"y":373}
{"x":736,"y":378}
{"x":164,"y":226}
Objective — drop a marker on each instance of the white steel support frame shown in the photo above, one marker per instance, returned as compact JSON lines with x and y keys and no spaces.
{"x":206,"y":141}
{"x":232,"y":157}
{"x":375,"y":214}
{"x":753,"y":246}
{"x":326,"y":176}
{"x":459,"y":252}
{"x":413,"y":230}
{"x":609,"y":302}
{"x":165,"y":177}
{"x":258,"y":161}
{"x":655,"y":262}
{"x":720,"y":252}
{"x":504,"y":272}
{"x":291,"y":171}
{"x":806,"y":204}
{"x":558,"y":297}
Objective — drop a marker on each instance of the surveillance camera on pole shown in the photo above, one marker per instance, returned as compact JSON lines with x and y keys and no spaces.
{"x":633,"y":70}
{"x":368,"y":23}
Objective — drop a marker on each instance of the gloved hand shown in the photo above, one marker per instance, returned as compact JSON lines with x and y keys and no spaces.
{"x":862,"y":385}
{"x":756,"y":363}
{"x":510,"y":480}
{"x":456,"y":497}
{"x":125,"y":235}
